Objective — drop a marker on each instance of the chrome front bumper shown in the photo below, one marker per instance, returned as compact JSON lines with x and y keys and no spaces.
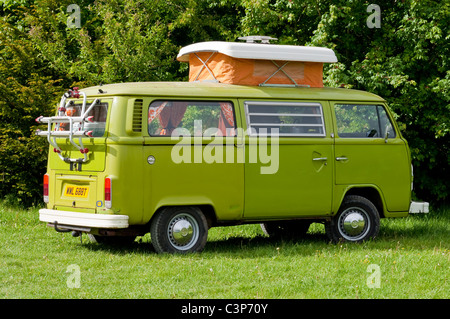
{"x":419,"y":207}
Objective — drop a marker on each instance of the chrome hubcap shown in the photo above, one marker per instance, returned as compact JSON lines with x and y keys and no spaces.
{"x":183,"y":231}
{"x":354,"y":223}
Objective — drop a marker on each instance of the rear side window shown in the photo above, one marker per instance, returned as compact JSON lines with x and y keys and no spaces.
{"x":191,"y":118}
{"x":362,"y":121}
{"x":97,"y":122}
{"x":284,"y":119}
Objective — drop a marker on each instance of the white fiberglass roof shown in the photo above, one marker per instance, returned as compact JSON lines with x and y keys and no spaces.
{"x":260,"y":51}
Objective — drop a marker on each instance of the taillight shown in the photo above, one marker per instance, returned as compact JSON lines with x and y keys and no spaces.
{"x":108,"y":185}
{"x":45,"y":188}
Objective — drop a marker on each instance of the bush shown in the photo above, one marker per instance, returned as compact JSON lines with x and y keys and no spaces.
{"x":24,"y":95}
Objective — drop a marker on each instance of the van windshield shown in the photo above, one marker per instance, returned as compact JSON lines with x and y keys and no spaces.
{"x":96,"y":125}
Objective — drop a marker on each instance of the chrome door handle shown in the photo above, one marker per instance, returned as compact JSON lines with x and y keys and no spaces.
{"x":320,"y":159}
{"x":343,"y":158}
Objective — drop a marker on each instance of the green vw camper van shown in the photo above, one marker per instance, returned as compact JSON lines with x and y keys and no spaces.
{"x":175,"y":158}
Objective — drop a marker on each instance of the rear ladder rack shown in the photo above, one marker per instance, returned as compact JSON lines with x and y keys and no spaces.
{"x":73,"y":131}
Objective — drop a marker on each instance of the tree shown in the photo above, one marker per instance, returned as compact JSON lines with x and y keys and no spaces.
{"x":121,"y":41}
{"x":25,"y":93}
{"x":406,"y":62}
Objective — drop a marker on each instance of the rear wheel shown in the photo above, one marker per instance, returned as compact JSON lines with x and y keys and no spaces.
{"x":356,"y":221}
{"x":179,"y":230}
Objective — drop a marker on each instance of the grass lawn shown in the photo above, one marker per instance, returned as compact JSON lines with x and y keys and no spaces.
{"x":409,"y":259}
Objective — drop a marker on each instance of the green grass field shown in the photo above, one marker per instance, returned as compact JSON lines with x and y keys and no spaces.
{"x":409,"y":259}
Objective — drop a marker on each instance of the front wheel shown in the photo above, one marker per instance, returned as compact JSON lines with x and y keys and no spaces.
{"x":356,"y":221}
{"x":179,"y":230}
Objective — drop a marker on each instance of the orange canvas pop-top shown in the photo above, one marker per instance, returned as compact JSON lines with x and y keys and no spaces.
{"x":256,"y":64}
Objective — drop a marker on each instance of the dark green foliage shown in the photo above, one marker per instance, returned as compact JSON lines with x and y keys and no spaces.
{"x":25,"y":93}
{"x":405,"y":61}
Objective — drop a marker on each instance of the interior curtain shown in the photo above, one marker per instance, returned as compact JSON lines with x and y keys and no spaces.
{"x":226,"y":119}
{"x":170,"y":117}
{"x":154,"y":111}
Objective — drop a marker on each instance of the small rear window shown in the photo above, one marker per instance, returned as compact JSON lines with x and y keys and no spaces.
{"x":97,"y":125}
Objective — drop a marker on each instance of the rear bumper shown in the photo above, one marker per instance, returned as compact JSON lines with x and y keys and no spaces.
{"x":419,"y":207}
{"x":66,"y":218}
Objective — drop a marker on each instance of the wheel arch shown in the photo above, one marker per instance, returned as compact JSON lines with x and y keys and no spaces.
{"x":207,"y":210}
{"x":371,"y":193}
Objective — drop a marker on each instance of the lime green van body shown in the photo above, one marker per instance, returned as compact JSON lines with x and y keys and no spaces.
{"x":310,"y":179}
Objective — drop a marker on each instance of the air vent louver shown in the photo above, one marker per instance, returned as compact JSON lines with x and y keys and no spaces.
{"x":137,"y":116}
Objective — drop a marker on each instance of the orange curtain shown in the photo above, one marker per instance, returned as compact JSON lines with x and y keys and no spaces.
{"x":170,"y":117}
{"x":226,"y":119}
{"x":153,"y":112}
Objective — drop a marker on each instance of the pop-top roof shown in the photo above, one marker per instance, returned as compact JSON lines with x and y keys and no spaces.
{"x":260,"y":51}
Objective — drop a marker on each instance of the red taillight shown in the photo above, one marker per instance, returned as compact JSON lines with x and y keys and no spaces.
{"x":45,"y":188}
{"x":108,"y":185}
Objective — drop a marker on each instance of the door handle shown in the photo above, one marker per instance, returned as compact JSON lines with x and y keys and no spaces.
{"x":342,"y":158}
{"x":320,"y":159}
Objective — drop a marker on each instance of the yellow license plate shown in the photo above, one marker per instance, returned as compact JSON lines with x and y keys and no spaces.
{"x":76,"y":191}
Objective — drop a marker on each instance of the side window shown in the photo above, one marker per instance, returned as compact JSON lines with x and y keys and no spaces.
{"x":362,"y":121}
{"x":191,"y":118}
{"x":285,"y":118}
{"x":97,"y":122}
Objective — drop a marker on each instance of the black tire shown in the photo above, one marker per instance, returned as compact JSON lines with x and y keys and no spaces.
{"x":286,"y":229}
{"x":357,"y":220}
{"x":180,"y":229}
